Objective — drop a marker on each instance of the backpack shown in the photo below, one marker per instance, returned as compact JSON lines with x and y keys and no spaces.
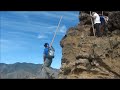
{"x":51,"y":52}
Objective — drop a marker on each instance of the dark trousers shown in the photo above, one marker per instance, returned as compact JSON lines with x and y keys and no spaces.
{"x":106,"y":29}
{"x":48,"y":62}
{"x":97,"y":27}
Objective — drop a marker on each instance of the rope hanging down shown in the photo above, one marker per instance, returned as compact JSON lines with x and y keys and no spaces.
{"x":56,"y":31}
{"x":92,"y":25}
{"x":102,"y":13}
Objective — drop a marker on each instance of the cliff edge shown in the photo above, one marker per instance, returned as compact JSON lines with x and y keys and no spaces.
{"x":85,"y":56}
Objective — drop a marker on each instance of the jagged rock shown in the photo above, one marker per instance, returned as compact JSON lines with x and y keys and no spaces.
{"x":84,"y":18}
{"x":116,"y":32}
{"x":114,"y":21}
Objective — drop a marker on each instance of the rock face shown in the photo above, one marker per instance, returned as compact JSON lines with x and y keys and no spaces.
{"x":114,"y":21}
{"x":85,"y":56}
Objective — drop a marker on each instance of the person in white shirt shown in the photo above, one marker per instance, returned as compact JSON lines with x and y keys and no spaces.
{"x":97,"y":22}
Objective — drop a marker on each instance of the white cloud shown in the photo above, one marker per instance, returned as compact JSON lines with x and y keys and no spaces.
{"x":41,"y":36}
{"x":33,"y":26}
{"x":30,"y":25}
{"x":11,"y":45}
{"x":63,"y":29}
{"x":48,"y":13}
{"x":69,"y":15}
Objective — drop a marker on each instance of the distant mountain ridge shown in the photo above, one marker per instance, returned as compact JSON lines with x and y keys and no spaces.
{"x":23,"y":71}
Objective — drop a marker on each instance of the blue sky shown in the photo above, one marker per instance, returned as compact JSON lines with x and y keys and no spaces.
{"x":23,"y":34}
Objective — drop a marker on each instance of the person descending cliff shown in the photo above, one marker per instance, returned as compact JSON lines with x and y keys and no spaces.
{"x":48,"y":55}
{"x":97,"y":22}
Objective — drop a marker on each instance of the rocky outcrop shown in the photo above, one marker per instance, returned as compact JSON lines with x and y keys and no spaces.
{"x":114,"y":21}
{"x":85,"y":56}
{"x":84,"y":18}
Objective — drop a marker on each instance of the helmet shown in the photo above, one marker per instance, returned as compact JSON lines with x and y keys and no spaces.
{"x":46,"y":44}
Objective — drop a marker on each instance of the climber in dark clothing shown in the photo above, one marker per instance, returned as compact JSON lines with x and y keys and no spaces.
{"x":102,"y":20}
{"x":106,"y":25}
{"x":102,"y":25}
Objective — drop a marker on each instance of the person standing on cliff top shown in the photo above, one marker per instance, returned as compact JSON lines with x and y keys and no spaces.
{"x":106,"y":24}
{"x":102,"y":25}
{"x":104,"y":21}
{"x":97,"y":23}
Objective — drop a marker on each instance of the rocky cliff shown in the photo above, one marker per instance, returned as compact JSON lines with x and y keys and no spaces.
{"x":85,"y":56}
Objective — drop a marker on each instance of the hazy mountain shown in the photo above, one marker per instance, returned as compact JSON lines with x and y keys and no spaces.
{"x":25,"y":71}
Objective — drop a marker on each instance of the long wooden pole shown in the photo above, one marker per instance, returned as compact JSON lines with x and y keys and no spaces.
{"x":102,"y":13}
{"x":56,"y":31}
{"x":92,"y":25}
